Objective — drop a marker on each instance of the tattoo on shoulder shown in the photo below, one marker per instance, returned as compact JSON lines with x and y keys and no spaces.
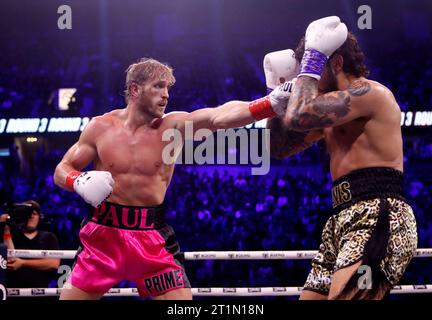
{"x":337,"y":103}
{"x":359,"y":88}
{"x":309,"y":121}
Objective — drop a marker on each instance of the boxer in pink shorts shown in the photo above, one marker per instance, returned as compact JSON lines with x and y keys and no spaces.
{"x":126,"y":237}
{"x":142,"y":247}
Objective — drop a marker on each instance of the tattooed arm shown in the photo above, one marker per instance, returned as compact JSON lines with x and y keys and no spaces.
{"x":285,"y":142}
{"x":307,"y":110}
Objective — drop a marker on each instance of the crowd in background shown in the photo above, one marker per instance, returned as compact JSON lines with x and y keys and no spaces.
{"x":224,"y":209}
{"x":227,"y":209}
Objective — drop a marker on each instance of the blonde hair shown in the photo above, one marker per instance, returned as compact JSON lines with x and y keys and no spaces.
{"x":147,"y":69}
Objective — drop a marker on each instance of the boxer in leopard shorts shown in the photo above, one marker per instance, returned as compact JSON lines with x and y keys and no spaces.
{"x":373,"y":225}
{"x":372,"y":234}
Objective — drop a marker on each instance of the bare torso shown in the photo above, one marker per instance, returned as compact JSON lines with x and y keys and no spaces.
{"x":134,"y":160}
{"x":367,"y":142}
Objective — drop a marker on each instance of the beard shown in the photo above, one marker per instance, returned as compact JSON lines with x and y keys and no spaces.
{"x":331,"y":81}
{"x":157,"y":113}
{"x":147,"y":106}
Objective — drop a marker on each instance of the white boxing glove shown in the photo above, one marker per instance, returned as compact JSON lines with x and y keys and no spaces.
{"x":326,"y":35}
{"x":274,"y":104}
{"x":323,"y":37}
{"x":93,"y":186}
{"x":279,"y":97}
{"x":279,"y":67}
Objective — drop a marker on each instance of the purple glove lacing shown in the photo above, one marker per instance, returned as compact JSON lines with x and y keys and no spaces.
{"x":313,"y":62}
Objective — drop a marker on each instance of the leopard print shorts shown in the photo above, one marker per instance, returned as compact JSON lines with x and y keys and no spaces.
{"x":346,"y":233}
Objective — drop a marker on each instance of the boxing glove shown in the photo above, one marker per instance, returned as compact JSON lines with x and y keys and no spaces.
{"x":93,"y":186}
{"x":273,"y":104}
{"x":323,"y":37}
{"x":279,"y":67}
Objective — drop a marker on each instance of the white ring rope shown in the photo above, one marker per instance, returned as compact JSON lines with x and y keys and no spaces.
{"x":204,"y":255}
{"x":211,"y":292}
{"x":207,"y":255}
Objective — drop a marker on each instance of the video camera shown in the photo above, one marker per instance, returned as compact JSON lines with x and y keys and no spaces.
{"x":19,"y":213}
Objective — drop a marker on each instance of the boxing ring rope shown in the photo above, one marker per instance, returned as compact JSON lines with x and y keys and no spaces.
{"x":209,"y":255}
{"x":204,"y":255}
{"x":211,"y":292}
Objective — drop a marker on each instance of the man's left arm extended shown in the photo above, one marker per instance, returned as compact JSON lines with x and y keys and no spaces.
{"x":234,"y":114}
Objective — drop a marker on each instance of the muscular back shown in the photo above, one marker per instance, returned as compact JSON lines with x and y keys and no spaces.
{"x":360,"y":125}
{"x":370,"y":141}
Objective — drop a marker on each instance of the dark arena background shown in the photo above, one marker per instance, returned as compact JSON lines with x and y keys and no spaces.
{"x":60,"y":66}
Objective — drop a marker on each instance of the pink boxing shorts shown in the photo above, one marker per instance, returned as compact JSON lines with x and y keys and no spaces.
{"x":128,"y":243}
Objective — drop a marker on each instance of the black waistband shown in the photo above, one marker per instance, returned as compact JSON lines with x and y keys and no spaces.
{"x":367,"y":183}
{"x":129,"y":217}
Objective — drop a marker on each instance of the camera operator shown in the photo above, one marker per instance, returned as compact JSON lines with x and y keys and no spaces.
{"x":21,"y":232}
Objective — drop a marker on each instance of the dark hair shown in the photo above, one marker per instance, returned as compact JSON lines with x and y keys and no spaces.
{"x":353,"y":56}
{"x":34,"y":205}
